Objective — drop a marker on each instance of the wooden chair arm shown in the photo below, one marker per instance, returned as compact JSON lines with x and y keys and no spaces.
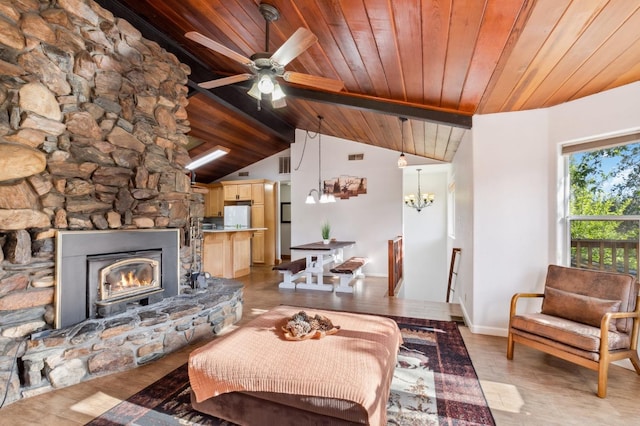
{"x":606,"y":319}
{"x":514,"y":301}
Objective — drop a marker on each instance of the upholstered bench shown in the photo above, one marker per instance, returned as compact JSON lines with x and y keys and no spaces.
{"x":291,"y":271}
{"x":254,"y":376}
{"x":347,"y":271}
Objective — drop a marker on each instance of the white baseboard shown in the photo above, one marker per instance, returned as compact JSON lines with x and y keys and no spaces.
{"x":479,"y":329}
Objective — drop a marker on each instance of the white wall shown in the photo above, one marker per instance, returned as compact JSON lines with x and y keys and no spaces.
{"x":425,"y":236}
{"x":511,"y":171}
{"x":462,"y":179}
{"x":517,"y":184}
{"x":264,"y":169}
{"x":370,"y":219}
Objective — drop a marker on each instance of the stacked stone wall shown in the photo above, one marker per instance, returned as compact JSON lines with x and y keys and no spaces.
{"x":93,"y":135}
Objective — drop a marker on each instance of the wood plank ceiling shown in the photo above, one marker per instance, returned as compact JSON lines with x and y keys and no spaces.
{"x":437,"y":62}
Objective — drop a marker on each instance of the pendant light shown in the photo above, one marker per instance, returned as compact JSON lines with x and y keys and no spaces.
{"x":323,"y":197}
{"x":402,"y":161}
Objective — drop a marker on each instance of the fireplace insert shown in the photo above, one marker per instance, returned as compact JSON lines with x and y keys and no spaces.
{"x":117,"y":280}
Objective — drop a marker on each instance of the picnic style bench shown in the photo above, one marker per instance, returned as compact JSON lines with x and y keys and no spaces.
{"x":347,"y":271}
{"x":291,"y":271}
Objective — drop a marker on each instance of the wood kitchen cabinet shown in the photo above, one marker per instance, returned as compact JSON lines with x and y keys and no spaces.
{"x":227,"y":254}
{"x":257,"y":247}
{"x":257,"y":193}
{"x":261,"y":194}
{"x":214,"y":202}
{"x":237,"y":192}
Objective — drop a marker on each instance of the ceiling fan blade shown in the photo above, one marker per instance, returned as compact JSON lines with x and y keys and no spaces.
{"x":217,"y":47}
{"x":225,"y":80}
{"x":299,"y":41}
{"x":314,"y":81}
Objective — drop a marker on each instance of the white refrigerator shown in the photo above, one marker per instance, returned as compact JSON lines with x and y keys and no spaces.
{"x":237,"y":216}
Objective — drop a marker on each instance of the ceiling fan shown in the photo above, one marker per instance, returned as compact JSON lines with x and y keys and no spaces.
{"x":265,"y":67}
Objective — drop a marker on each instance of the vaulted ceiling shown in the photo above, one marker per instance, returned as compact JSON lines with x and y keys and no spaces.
{"x":435,"y":62}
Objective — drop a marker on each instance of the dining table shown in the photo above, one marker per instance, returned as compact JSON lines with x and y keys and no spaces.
{"x":318,"y":255}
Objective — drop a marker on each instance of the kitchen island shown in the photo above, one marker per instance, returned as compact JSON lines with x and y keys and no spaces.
{"x":226,"y":253}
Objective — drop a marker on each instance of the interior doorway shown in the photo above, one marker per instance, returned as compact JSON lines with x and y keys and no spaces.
{"x":285,"y":220}
{"x":426,"y":248}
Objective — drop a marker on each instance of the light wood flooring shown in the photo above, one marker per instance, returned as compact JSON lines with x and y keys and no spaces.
{"x":533,"y":389}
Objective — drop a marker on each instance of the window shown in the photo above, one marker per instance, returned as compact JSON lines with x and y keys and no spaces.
{"x":604,"y":205}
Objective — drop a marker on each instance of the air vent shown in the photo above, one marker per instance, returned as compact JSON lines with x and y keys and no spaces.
{"x":284,"y":165}
{"x":243,"y":174}
{"x":356,"y":157}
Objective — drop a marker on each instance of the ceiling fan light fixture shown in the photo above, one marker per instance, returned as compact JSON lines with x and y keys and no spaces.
{"x":277,"y":93}
{"x":280,"y":103}
{"x":266,"y":84}
{"x":254,"y":92}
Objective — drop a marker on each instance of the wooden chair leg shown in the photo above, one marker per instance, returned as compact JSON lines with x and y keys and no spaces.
{"x":635,"y":361}
{"x":603,"y":372}
{"x":510,"y":346}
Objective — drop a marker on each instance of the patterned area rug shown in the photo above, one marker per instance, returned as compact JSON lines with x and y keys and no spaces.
{"x":434,"y":383}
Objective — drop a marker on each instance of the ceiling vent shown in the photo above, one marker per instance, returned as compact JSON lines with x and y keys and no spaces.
{"x":356,"y":157}
{"x":244,"y":174}
{"x":284,"y":165}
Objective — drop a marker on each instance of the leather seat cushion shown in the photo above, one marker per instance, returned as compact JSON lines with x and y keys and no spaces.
{"x":578,"y":335}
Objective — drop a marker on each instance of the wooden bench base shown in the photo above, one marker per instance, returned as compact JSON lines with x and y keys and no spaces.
{"x":291,"y":271}
{"x":347,"y":271}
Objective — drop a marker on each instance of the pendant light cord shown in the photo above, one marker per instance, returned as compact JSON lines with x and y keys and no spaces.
{"x":319,"y":156}
{"x":304,"y":147}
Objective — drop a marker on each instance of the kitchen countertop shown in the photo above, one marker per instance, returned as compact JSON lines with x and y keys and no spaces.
{"x":234,"y":230}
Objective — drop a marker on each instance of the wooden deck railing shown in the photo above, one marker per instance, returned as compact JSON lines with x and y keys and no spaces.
{"x":396,"y":273}
{"x":606,"y":255}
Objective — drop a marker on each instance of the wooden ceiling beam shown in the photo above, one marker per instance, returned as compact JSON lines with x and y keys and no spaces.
{"x":384,"y":106}
{"x":228,"y":96}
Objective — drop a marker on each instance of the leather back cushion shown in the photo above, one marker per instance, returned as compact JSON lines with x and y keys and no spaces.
{"x":579,"y":308}
{"x":597,"y":284}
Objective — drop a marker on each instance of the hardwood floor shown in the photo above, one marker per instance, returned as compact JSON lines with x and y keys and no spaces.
{"x":533,"y":389}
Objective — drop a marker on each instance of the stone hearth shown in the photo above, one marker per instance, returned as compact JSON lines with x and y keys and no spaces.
{"x":98,"y":347}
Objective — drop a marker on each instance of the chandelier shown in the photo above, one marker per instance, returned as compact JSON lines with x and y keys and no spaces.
{"x":323,"y":196}
{"x":422,"y":200}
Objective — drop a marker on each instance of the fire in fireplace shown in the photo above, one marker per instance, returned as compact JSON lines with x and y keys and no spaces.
{"x":118,"y":279}
{"x":129,"y":276}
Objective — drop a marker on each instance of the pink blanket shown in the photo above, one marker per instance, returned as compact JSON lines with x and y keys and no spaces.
{"x":356,"y":364}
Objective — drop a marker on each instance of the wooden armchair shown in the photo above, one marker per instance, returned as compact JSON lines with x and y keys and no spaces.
{"x":590,"y":318}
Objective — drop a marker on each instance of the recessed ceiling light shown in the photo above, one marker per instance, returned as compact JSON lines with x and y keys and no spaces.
{"x":207,"y":156}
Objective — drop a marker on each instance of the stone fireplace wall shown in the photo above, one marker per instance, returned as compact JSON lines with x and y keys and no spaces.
{"x":92,"y":136}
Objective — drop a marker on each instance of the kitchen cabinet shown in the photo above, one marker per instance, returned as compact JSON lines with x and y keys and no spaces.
{"x":258,"y":243}
{"x":237,"y":192}
{"x":227,"y":254}
{"x":262,"y":195}
{"x":257,"y":247}
{"x":214,"y":202}
{"x":257,"y":193}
